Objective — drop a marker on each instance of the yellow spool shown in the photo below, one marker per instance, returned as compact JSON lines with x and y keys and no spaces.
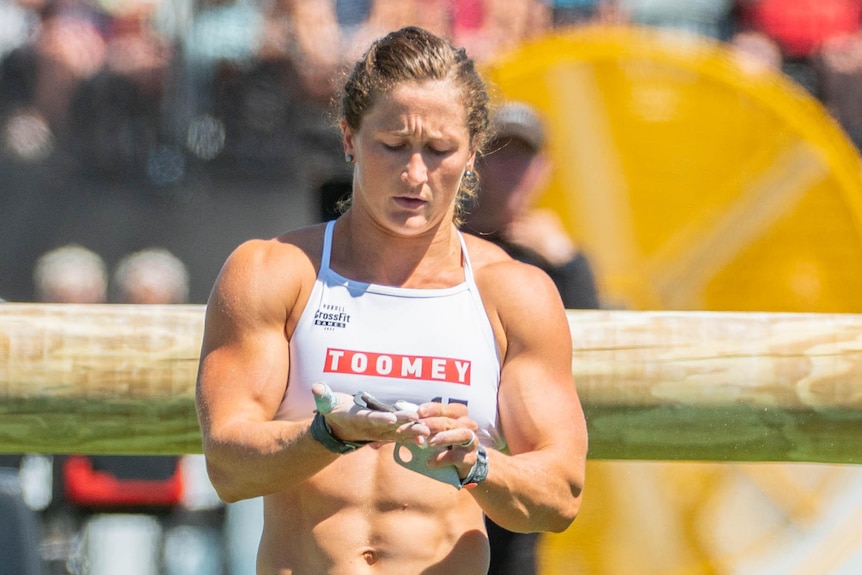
{"x":693,"y":179}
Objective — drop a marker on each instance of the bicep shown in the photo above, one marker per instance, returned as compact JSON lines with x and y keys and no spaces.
{"x":242,"y":379}
{"x":538,"y":401}
{"x":245,"y":352}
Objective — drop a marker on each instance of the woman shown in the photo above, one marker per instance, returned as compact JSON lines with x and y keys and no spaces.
{"x":390,"y":298}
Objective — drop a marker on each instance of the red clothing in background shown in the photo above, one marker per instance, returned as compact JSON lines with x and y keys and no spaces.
{"x":801,"y":26}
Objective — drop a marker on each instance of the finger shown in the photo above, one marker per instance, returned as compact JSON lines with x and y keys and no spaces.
{"x":444,"y":424}
{"x":453,"y":410}
{"x":462,"y":459}
{"x":470,"y":442}
{"x":461,"y":437}
{"x":414,"y":428}
{"x":414,"y":432}
{"x":375,"y":416}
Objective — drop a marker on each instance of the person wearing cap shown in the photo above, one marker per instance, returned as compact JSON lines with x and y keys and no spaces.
{"x":514,"y":170}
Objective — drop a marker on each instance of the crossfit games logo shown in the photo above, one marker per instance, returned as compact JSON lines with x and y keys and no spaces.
{"x":331,"y":316}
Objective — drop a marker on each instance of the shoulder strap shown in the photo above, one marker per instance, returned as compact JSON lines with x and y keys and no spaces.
{"x":468,"y":268}
{"x":327,"y":246}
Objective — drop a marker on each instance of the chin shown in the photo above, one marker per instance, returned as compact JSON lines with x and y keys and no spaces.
{"x":410,"y":223}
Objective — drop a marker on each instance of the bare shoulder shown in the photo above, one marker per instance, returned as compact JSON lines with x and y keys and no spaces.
{"x":268,"y":276}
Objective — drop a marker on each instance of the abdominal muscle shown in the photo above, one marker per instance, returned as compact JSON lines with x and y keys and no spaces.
{"x":365,"y":514}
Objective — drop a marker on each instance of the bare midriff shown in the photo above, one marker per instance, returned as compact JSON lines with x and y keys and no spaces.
{"x":365,"y":514}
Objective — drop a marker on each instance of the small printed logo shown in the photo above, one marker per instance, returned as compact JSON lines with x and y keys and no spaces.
{"x":331,"y":316}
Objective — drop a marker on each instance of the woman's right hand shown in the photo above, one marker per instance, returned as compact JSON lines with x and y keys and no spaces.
{"x":351,"y":422}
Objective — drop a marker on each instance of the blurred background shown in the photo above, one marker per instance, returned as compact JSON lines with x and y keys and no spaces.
{"x":705,"y":156}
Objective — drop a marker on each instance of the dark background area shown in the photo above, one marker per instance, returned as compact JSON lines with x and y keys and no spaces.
{"x":200,"y":224}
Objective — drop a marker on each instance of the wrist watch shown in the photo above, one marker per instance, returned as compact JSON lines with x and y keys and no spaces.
{"x":478,"y":472}
{"x":322,"y":433}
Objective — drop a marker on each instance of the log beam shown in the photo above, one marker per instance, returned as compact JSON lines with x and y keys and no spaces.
{"x":720,"y":386}
{"x":110,"y":379}
{"x":713,"y":386}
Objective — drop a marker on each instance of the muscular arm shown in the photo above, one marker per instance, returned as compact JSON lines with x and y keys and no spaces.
{"x":245,"y":359}
{"x":243,"y":374}
{"x":537,"y":487}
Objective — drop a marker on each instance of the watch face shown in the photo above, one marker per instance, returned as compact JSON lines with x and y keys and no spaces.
{"x":481,"y":454}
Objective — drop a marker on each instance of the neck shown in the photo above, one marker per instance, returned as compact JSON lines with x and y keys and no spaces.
{"x":366,"y":252}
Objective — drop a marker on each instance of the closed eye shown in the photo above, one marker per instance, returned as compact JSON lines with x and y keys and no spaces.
{"x":440,"y":151}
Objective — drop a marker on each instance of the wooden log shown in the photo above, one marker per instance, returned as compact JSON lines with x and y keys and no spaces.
{"x":720,"y":386}
{"x":715,"y":386}
{"x":112,"y":379}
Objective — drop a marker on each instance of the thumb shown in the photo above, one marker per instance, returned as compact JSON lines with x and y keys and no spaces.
{"x":324,"y":398}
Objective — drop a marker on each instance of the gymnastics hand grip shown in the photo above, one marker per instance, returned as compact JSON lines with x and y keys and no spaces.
{"x":418,"y":456}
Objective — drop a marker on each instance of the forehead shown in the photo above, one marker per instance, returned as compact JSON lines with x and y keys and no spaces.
{"x":438,"y":101}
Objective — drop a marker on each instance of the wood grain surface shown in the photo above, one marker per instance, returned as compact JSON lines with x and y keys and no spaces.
{"x":712,"y":386}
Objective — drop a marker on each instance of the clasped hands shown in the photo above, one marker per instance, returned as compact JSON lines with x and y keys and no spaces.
{"x":443,"y":432}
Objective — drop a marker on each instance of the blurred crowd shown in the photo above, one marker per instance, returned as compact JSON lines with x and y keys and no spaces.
{"x":172,"y":99}
{"x":168,"y":94}
{"x":161,"y":91}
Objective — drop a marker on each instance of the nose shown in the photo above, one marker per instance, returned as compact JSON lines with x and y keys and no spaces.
{"x":415,"y":171}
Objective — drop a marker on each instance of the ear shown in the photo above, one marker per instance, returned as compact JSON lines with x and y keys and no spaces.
{"x":346,"y":137}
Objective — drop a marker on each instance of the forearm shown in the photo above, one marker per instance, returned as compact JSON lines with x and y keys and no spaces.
{"x":248,"y":460}
{"x":529,"y":492}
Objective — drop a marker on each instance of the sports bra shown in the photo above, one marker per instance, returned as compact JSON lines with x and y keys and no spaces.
{"x":417,"y":345}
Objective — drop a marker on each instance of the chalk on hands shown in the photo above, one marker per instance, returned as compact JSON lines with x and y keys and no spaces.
{"x":324,"y":397}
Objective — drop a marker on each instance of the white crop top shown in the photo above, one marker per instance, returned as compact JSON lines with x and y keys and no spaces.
{"x":418,"y":345}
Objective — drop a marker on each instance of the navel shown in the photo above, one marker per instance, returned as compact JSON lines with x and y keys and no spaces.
{"x":371,"y":556}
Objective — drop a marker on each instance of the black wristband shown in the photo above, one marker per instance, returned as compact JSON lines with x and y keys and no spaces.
{"x":322,"y":433}
{"x":478,"y":472}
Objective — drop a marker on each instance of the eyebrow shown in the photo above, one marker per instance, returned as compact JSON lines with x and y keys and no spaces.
{"x":437,"y":137}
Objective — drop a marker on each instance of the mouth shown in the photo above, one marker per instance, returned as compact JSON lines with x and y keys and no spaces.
{"x":409,"y":202}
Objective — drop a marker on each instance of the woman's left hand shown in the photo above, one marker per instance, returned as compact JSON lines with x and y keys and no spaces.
{"x":451,"y":427}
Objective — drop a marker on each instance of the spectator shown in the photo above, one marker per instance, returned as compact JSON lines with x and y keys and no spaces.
{"x":71,"y":274}
{"x":17,"y":23}
{"x":708,"y":18}
{"x":839,"y":67}
{"x":576,"y":12}
{"x":801,"y":29}
{"x":155,"y":276}
{"x":755,"y":52}
{"x":151,"y":276}
{"x":513,"y":172}
{"x":326,"y":36}
{"x":67,"y":50}
{"x":114,"y":115}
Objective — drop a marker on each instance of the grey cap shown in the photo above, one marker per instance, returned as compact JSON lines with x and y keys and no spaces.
{"x":519,"y":120}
